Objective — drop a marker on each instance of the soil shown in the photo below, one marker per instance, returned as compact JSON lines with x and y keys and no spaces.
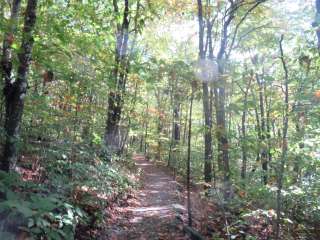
{"x":156,"y":212}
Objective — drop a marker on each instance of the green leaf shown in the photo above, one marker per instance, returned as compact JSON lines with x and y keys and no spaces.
{"x":54,"y":235}
{"x":11,"y":195}
{"x":27,"y":212}
{"x":7,"y":236}
{"x":14,"y":46}
{"x":30,"y":222}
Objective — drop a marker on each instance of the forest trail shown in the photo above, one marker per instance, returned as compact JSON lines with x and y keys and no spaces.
{"x":154,"y":213}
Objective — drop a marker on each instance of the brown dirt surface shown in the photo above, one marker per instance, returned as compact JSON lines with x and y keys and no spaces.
{"x":154,"y":213}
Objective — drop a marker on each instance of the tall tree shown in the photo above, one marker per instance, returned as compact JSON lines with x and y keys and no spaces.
{"x":226,"y":45}
{"x":115,"y":100}
{"x":316,"y":23}
{"x":262,"y":135}
{"x":16,"y":90}
{"x":244,"y":128}
{"x":194,"y":87}
{"x":207,"y":110}
{"x":9,"y":36}
{"x":284,"y":144}
{"x":176,"y":109}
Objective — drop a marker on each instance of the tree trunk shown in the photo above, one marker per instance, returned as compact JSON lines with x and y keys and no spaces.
{"x":145,"y":140}
{"x":220,"y":98}
{"x":263,"y":145}
{"x":146,"y":131}
{"x":298,"y":159}
{"x":316,"y":23}
{"x":207,"y":134}
{"x":141,"y":141}
{"x":175,"y":124}
{"x":15,"y":92}
{"x":189,"y":161}
{"x":113,"y":133}
{"x":268,"y":130}
{"x":185,"y":126}
{"x":244,"y":131}
{"x":223,"y":144}
{"x":175,"y":135}
{"x":206,"y":101}
{"x":6,"y":61}
{"x":159,"y":124}
{"x":284,"y":141}
{"x":258,"y":129}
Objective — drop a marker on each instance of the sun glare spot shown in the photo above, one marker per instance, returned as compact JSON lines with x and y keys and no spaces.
{"x":206,"y":70}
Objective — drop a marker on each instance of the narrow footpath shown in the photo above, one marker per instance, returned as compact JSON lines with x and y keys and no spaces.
{"x":156,"y":211}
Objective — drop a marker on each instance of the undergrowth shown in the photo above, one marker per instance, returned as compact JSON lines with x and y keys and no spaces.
{"x":59,"y":192}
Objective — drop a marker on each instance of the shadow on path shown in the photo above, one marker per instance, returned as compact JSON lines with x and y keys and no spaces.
{"x":155,"y":213}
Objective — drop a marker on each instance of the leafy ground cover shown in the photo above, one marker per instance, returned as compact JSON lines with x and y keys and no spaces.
{"x":66,"y":203}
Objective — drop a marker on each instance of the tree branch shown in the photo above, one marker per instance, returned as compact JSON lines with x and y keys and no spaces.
{"x":258,"y":2}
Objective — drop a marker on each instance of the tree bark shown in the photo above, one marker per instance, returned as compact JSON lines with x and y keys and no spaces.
{"x":284,"y":140}
{"x":263,"y":145}
{"x":6,"y":63}
{"x":15,"y":92}
{"x":113,"y":133}
{"x":223,"y":143}
{"x":159,"y":124}
{"x":126,"y":65}
{"x":175,"y":125}
{"x":206,"y":101}
{"x":6,"y":59}
{"x":268,"y":127}
{"x":244,"y":131}
{"x":146,"y":132}
{"x":207,"y":134}
{"x":317,"y":24}
{"x":175,"y":134}
{"x":189,"y":160}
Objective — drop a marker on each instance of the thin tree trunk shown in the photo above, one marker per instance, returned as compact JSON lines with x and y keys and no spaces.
{"x":189,"y":160}
{"x":316,"y":23}
{"x":176,"y":128}
{"x":141,"y":141}
{"x":185,"y":126}
{"x":2,"y":100}
{"x":146,"y":130}
{"x":207,"y":134}
{"x":145,"y":140}
{"x":300,"y":132}
{"x":206,"y":103}
{"x":263,"y":145}
{"x":175,"y":134}
{"x":169,"y":164}
{"x":244,"y":132}
{"x":268,"y":130}
{"x":258,"y":130}
{"x":284,"y":140}
{"x":159,"y":125}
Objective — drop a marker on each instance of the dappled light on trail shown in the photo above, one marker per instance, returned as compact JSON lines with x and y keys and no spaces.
{"x":160,"y":119}
{"x":157,"y":211}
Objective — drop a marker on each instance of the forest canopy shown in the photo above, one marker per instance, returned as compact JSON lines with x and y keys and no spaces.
{"x":222,"y":94}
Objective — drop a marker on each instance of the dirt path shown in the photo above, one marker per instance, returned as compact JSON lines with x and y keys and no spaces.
{"x":156,"y":209}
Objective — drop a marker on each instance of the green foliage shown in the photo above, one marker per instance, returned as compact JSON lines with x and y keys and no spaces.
{"x":75,"y":193}
{"x":64,"y":118}
{"x":33,"y":209}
